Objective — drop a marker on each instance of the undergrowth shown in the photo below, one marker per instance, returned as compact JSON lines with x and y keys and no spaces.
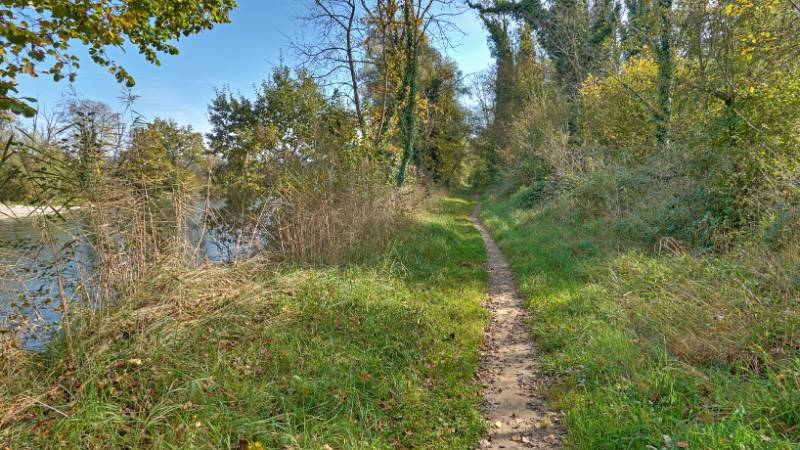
{"x":374,"y":354}
{"x":655,"y":343}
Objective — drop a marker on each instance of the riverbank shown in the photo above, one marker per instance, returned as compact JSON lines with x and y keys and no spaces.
{"x":16,"y":212}
{"x":376,"y":353}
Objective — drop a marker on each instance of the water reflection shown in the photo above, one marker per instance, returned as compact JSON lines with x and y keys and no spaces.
{"x":38,"y":261}
{"x":42,"y":262}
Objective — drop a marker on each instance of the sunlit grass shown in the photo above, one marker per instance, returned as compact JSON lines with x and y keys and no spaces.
{"x":379,"y":354}
{"x":668,"y":351}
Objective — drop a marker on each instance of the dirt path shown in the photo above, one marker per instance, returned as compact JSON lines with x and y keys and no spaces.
{"x":513,"y":404}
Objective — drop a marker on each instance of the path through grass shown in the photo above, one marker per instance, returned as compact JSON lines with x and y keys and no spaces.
{"x":378,"y":354}
{"x":654,"y":351}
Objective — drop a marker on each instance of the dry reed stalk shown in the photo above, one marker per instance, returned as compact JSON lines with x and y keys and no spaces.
{"x":324,"y":226}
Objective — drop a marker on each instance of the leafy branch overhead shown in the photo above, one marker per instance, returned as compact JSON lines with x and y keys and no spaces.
{"x":36,"y":36}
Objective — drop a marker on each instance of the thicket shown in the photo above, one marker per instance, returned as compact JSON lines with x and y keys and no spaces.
{"x":698,"y":99}
{"x":651,"y":212}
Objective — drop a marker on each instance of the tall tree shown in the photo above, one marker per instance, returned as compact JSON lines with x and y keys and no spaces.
{"x":383,"y":78}
{"x":95,"y":131}
{"x":418,"y":17}
{"x":442,"y":124}
{"x":338,"y":45}
{"x":649,"y":22}
{"x":501,"y":44}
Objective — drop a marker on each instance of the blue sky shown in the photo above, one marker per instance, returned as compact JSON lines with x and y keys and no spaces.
{"x":239,"y":54}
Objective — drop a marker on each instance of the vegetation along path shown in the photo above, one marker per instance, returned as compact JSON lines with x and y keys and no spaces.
{"x":514,"y":405}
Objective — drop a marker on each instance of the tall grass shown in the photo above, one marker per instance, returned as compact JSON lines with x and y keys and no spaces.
{"x":324,"y":216}
{"x":119,"y":227}
{"x":375,"y":354}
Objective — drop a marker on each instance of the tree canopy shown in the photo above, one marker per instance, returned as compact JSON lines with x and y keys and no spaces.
{"x":37,"y":36}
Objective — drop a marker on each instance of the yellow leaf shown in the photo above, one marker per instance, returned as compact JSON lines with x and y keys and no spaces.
{"x":728,"y":9}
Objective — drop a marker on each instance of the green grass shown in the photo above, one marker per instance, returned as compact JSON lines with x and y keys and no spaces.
{"x":666,"y":351}
{"x":379,"y":354}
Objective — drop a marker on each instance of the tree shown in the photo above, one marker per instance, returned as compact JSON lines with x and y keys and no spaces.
{"x":35,"y":33}
{"x":376,"y":46}
{"x":338,"y":45}
{"x":383,"y":76}
{"x":418,"y":16}
{"x":650,"y":23}
{"x":443,"y":126}
{"x":160,"y":155}
{"x":514,"y":133}
{"x":745,"y":59}
{"x":290,"y":124}
{"x":95,"y":132}
{"x":504,"y":100}
{"x":572,"y":32}
{"x":12,"y":169}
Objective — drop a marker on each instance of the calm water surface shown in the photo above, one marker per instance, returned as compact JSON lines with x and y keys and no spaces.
{"x":31,"y":262}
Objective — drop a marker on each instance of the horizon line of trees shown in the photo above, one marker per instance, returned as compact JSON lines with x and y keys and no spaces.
{"x":395,"y":101}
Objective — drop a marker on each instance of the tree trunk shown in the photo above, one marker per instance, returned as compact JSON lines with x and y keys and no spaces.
{"x":351,"y":65}
{"x":665,"y":73}
{"x":409,"y":119}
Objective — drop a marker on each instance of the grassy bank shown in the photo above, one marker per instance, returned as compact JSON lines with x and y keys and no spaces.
{"x":375,"y":354}
{"x":655,"y":347}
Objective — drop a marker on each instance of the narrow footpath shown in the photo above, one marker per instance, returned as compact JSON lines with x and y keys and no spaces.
{"x":512,"y":384}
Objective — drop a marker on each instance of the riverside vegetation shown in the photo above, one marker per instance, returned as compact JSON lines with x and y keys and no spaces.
{"x":639,"y":166}
{"x":349,"y":311}
{"x":378,"y":352}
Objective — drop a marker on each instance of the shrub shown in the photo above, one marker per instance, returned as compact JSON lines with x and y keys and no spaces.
{"x":616,"y":119}
{"x":325,"y":214}
{"x":531,"y":196}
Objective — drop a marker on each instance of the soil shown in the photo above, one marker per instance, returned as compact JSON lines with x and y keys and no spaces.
{"x":514,"y":404}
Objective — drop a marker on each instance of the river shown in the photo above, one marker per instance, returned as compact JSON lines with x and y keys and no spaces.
{"x":37,"y":265}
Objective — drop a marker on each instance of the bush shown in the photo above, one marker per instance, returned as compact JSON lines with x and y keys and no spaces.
{"x":541,"y":190}
{"x":615,"y":119}
{"x":325,"y":214}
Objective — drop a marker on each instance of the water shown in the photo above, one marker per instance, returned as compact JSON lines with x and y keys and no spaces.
{"x":37,"y":266}
{"x":30,"y":265}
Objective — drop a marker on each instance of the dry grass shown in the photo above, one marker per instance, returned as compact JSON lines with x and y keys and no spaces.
{"x":171,"y":298}
{"x":275,"y":356}
{"x":314,"y":222}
